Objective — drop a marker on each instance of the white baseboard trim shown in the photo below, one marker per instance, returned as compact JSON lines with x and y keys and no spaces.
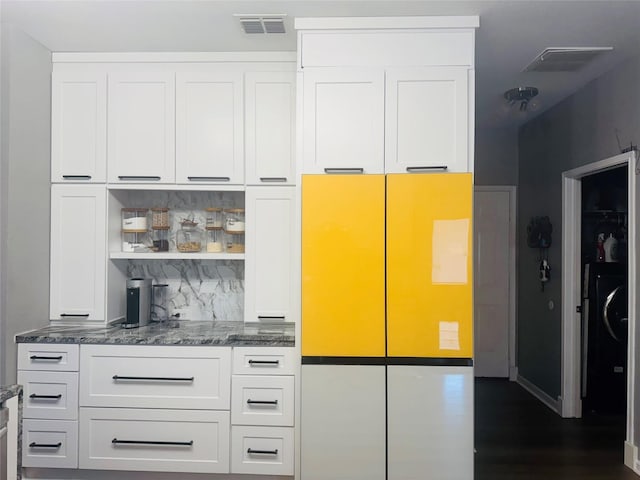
{"x":630,"y":456}
{"x":513,"y":374}
{"x":540,"y":394}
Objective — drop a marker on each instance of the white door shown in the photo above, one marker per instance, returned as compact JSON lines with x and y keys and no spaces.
{"x":268,"y":260}
{"x":78,"y":127}
{"x":78,"y":243}
{"x":209,"y":136}
{"x":270,"y":127}
{"x":343,"y":120}
{"x":493,"y":246}
{"x":427,"y":119}
{"x":141,"y":127}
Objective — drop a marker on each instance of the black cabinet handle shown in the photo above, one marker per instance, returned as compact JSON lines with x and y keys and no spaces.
{"x":273,"y":179}
{"x":271,"y":317}
{"x":115,"y":441}
{"x":46,"y":397}
{"x":45,"y":445}
{"x":427,"y":169}
{"x":43,"y":357}
{"x":264,"y":362}
{"x":76,"y":177}
{"x":83,"y":315}
{"x":344,"y":170}
{"x":262,"y":402}
{"x":138,"y":177}
{"x":155,"y":379}
{"x":209,"y":179}
{"x":262,"y":452}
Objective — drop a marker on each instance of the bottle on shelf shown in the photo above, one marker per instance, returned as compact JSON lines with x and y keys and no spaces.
{"x":600,"y":255}
{"x":189,"y":237}
{"x":234,"y":230}
{"x":160,"y":229}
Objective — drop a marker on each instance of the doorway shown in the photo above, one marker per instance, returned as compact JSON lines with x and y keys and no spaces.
{"x":575,"y":256}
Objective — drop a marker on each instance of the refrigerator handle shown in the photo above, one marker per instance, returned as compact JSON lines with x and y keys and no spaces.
{"x":605,"y":313}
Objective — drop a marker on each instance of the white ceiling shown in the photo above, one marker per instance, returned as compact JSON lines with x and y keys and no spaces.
{"x":511,"y":34}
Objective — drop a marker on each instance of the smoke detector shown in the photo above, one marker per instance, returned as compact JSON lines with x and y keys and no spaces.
{"x":522,"y":95}
{"x":261,"y":23}
{"x":564,"y":59}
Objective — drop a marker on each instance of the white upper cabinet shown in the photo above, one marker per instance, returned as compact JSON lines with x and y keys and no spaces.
{"x":427,"y":120}
{"x":78,"y":127}
{"x":269,"y":258}
{"x":270,"y":102}
{"x":343,"y":124}
{"x":209,"y":135}
{"x":78,"y":246}
{"x":141,"y":122}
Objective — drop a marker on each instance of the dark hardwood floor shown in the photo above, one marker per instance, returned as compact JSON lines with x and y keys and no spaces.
{"x":518,"y":438}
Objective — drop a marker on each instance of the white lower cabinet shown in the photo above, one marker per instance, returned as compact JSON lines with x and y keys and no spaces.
{"x":49,"y":443}
{"x":154,"y":440}
{"x":49,"y":395}
{"x":262,"y":400}
{"x":262,"y":450}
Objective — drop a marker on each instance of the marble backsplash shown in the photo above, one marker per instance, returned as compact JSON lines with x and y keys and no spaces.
{"x":197,"y":289}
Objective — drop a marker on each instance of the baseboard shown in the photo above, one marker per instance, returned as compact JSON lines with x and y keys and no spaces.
{"x":630,"y":455}
{"x":540,"y":394}
{"x":513,"y":374}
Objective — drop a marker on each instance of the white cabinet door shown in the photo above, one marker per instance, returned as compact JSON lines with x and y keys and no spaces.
{"x":270,"y":214}
{"x":141,"y":127}
{"x":270,"y":102}
{"x":343,"y":120}
{"x":343,"y":423}
{"x":78,"y":246}
{"x":430,"y":422}
{"x":209,"y":138}
{"x":78,"y":127}
{"x":427,"y":123}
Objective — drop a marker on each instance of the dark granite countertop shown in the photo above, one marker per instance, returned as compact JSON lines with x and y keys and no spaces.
{"x":183,"y":332}
{"x":9,"y":391}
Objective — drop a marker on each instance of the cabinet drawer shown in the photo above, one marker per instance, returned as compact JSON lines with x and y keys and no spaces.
{"x":49,"y":395}
{"x":46,"y":356}
{"x":263,"y":361}
{"x":154,"y":440}
{"x":262,"y":450}
{"x":49,"y":443}
{"x":155,"y":377}
{"x":262,"y":400}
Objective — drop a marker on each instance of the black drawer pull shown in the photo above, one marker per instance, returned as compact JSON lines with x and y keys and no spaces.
{"x":76,"y":177}
{"x":209,"y":179}
{"x":45,"y":445}
{"x":46,"y":397}
{"x":344,"y":170}
{"x":155,"y":379}
{"x":42,"y":357}
{"x":264,"y":362}
{"x":273,"y":179}
{"x":262,"y":452}
{"x":138,"y":177}
{"x":426,"y":169}
{"x":262,"y":402}
{"x":271,"y":317}
{"x":83,"y":315}
{"x":115,"y":441}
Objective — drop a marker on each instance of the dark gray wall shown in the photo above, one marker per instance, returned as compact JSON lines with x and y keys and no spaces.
{"x":26,"y":108}
{"x":580,"y":130}
{"x":496,"y":156}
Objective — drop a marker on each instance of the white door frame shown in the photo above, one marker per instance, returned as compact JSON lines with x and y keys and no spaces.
{"x":572,"y":288}
{"x":512,"y":190}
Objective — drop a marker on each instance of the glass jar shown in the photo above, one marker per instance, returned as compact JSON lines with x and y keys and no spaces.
{"x":160,"y":218}
{"x":189,"y":237}
{"x":134,"y":242}
{"x":234,"y":242}
{"x":234,"y":220}
{"x":214,"y":240}
{"x":134,"y":220}
{"x":160,"y":239}
{"x":214,"y":217}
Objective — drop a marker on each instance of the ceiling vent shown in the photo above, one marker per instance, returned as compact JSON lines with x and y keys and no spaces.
{"x":262,"y":24}
{"x":564,"y":59}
